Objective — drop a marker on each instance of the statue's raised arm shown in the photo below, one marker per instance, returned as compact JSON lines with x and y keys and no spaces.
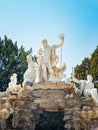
{"x":75,"y":79}
{"x":61,"y":37}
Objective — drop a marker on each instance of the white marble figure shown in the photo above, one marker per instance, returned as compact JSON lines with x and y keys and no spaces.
{"x":46,"y":57}
{"x":13,"y":83}
{"x":57,"y":74}
{"x":87,"y":87}
{"x":30,"y":73}
{"x":39,"y":77}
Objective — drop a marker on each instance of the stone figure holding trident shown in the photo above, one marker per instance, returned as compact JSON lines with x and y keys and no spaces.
{"x":46,"y":56}
{"x":61,"y":52}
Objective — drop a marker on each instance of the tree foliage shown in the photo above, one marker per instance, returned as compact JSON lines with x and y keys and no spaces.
{"x":94,"y":65}
{"x":82,"y":70}
{"x":88,"y":66}
{"x":12,"y":60}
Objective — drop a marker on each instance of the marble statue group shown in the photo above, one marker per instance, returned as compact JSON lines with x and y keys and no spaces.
{"x":87,"y":87}
{"x":46,"y":67}
{"x":46,"y":70}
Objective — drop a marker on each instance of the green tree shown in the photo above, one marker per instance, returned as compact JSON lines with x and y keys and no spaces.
{"x":12,"y":60}
{"x":94,"y":66}
{"x":82,"y":70}
{"x":88,"y":66}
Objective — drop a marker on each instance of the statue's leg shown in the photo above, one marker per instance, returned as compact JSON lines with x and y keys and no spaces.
{"x":44,"y":69}
{"x":55,"y":60}
{"x":82,"y":90}
{"x":94,"y":95}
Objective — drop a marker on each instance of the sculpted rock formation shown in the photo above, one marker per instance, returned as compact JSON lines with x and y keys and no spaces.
{"x":21,"y":111}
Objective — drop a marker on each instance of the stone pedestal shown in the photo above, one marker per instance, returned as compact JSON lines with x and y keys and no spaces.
{"x":23,"y":109}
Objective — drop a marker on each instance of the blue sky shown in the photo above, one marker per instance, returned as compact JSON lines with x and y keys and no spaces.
{"x":30,"y":21}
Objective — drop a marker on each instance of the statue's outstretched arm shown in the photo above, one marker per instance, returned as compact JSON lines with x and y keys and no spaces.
{"x":75,"y":80}
{"x":61,"y":36}
{"x":39,"y":52}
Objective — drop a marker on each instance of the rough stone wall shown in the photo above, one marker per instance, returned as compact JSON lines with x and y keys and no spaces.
{"x":23,"y":109}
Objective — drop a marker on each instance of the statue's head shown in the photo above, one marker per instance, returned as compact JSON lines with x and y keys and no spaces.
{"x":45,"y":43}
{"x":29,"y":58}
{"x":15,"y":75}
{"x":89,"y":78}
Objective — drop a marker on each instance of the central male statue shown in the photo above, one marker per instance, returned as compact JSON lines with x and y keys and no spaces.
{"x":46,"y":57}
